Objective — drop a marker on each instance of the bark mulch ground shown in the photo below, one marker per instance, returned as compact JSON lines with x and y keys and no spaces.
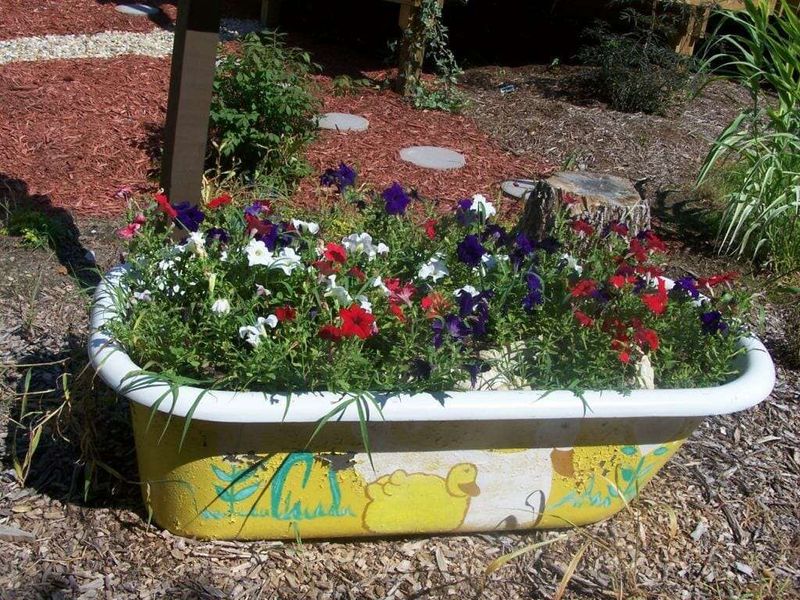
{"x":78,"y":130}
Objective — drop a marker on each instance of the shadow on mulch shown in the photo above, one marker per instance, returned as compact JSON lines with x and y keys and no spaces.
{"x":153,"y":146}
{"x":19,"y":205}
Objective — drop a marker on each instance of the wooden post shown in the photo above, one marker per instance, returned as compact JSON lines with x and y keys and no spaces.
{"x":191,"y":77}
{"x":270,"y":13}
{"x":412,"y":48}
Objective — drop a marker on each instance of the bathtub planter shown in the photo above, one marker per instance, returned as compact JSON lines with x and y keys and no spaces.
{"x":444,"y":462}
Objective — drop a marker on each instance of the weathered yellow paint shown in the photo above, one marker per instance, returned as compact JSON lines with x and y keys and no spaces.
{"x":248,"y":481}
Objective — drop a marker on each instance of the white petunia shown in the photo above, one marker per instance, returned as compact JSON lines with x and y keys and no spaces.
{"x":364,"y":302}
{"x":378,"y":283}
{"x":196,"y":244}
{"x":258,"y":253}
{"x":287,"y":261}
{"x":166,"y":264}
{"x":221,"y":306}
{"x":262,"y":291}
{"x":309,"y":226}
{"x":572,"y":263}
{"x":482,"y":206}
{"x":143,"y":296}
{"x":468,"y":289}
{"x":337,"y":292}
{"x":361,"y":243}
{"x":252,"y":334}
{"x":434,"y":269}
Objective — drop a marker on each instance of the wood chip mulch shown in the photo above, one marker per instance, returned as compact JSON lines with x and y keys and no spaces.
{"x":77,"y":131}
{"x":393,"y":125}
{"x":22,"y":18}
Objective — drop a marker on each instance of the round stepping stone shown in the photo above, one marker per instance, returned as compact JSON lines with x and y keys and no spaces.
{"x":517,"y":188}
{"x":138,"y":10}
{"x":342,"y":122}
{"x":433,"y":157}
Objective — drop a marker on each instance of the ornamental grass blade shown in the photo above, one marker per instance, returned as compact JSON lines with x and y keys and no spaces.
{"x":502,"y":561}
{"x":188,"y":418}
{"x":363,"y":419}
{"x":336,"y":410}
{"x":573,"y":564}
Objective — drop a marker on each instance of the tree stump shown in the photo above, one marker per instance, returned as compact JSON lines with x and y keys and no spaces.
{"x":597,"y":198}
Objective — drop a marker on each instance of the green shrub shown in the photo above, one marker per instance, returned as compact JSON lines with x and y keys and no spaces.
{"x":263,"y":109}
{"x":637,"y":73}
{"x":762,"y":215}
{"x":36,"y":229}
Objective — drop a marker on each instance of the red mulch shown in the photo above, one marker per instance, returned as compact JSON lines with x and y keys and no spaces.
{"x":78,"y":130}
{"x":22,"y":18}
{"x":393,"y":125}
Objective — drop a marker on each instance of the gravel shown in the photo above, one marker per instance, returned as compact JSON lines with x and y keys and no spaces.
{"x":107,"y":44}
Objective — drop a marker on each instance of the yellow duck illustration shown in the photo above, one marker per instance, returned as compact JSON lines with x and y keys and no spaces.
{"x":403,"y":502}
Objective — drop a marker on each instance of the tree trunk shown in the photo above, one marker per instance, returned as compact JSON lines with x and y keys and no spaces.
{"x":412,"y":50}
{"x":599,"y":199}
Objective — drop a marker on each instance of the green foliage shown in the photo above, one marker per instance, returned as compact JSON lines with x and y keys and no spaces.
{"x":214,"y":312}
{"x":263,"y":109}
{"x":428,"y":37}
{"x":344,"y":85}
{"x":37,"y":229}
{"x":638,"y":71}
{"x":762,"y":215}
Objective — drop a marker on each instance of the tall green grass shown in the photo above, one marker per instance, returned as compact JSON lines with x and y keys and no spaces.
{"x":761,"y":218}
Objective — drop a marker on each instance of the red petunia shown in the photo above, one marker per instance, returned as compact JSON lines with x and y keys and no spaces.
{"x":330,"y":332}
{"x":619,"y":228}
{"x":285,"y":313}
{"x":434,"y":305}
{"x":581,"y":226}
{"x":650,"y":270}
{"x":584,"y":287}
{"x":397,"y":311}
{"x":163,"y":202}
{"x":221,"y":200}
{"x":619,"y":281}
{"x":430,"y":228}
{"x":657,"y":302}
{"x":256,"y":226}
{"x":654,"y":243}
{"x":335,"y":253}
{"x":624,"y":356}
{"x":715,"y":280}
{"x":584,"y":319}
{"x":646,"y":337}
{"x":325,"y":267}
{"x":357,"y":273}
{"x":569,"y":198}
{"x":356,"y":322}
{"x":639,"y":250}
{"x":399,"y":291}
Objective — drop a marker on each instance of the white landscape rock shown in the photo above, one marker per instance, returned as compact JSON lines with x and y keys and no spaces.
{"x":433,"y":157}
{"x":337,"y":121}
{"x":517,"y":188}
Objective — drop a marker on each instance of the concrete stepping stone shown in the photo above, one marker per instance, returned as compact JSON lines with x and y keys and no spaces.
{"x":138,"y":9}
{"x":342,"y":122}
{"x":517,"y":188}
{"x":433,"y":157}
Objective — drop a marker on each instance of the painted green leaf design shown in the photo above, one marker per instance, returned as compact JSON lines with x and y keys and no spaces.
{"x":245,"y":492}
{"x":626,"y":474}
{"x":222,"y":474}
{"x":224,"y":493}
{"x":628,"y":450}
{"x":660,"y":450}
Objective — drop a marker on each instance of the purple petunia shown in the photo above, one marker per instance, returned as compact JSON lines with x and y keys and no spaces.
{"x":689,"y":285}
{"x":217,"y":234}
{"x":420,"y":369}
{"x":712,"y":322}
{"x":534,"y":297}
{"x":451,"y":326}
{"x":342,"y":177}
{"x":396,"y":199}
{"x":549,"y":245}
{"x":496,"y":233}
{"x":470,"y":251}
{"x":464,"y":215}
{"x":475,"y":369}
{"x":189,"y":215}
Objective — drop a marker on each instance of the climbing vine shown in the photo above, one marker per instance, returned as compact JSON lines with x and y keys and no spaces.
{"x":427,"y":36}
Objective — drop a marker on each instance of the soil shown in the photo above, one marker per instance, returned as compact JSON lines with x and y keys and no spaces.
{"x":721,"y":520}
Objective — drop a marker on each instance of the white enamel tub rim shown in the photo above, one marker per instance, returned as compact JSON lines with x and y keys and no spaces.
{"x":754,"y":384}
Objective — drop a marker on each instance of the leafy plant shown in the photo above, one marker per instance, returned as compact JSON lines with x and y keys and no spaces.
{"x":375,"y":295}
{"x":762,"y":215}
{"x":263,"y":109}
{"x":638,"y":71}
{"x":37,"y":229}
{"x":344,"y":85}
{"x":427,"y":37}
